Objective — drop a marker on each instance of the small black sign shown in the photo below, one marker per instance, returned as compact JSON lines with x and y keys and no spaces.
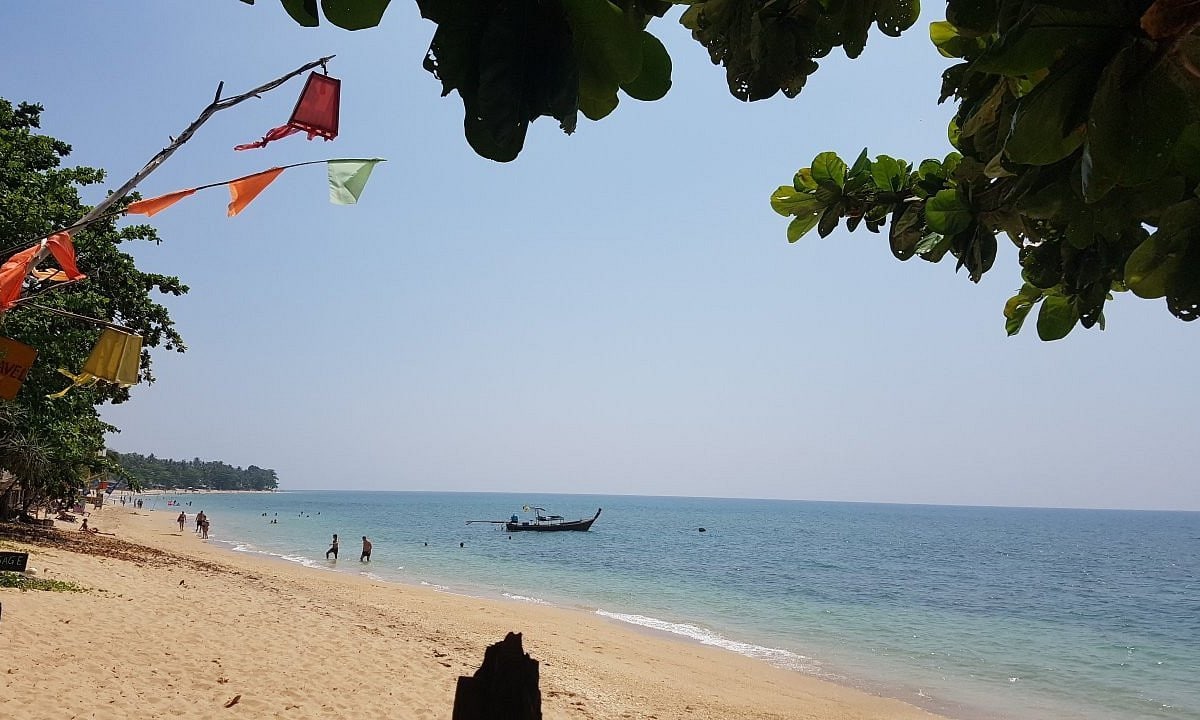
{"x":13,"y":561}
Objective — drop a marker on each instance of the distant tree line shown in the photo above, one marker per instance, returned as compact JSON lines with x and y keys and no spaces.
{"x":151,"y":472}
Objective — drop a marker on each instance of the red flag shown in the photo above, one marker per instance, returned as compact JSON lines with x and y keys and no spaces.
{"x":243,"y":190}
{"x":273,"y":134}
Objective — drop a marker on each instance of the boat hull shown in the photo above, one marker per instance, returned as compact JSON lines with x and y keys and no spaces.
{"x":576,"y":525}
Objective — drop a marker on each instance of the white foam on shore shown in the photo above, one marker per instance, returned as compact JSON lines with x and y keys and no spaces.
{"x":522,"y":598}
{"x":776,"y":657}
{"x":298,"y":559}
{"x":785,"y":659}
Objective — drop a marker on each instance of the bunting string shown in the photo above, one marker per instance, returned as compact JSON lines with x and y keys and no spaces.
{"x":347,"y":179}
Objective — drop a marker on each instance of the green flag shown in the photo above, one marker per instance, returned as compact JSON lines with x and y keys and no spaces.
{"x":347,"y":178}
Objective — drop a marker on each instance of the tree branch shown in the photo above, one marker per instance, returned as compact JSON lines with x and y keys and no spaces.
{"x":214,"y":107}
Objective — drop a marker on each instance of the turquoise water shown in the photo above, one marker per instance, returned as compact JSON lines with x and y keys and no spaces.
{"x":972,"y":612}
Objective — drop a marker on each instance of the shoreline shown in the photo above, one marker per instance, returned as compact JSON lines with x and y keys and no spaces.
{"x":393,"y":633}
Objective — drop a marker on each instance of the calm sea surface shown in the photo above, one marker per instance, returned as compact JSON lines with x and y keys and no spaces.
{"x":977,"y":613}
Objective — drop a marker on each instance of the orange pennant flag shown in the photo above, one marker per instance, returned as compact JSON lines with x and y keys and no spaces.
{"x":64,"y":252}
{"x":243,"y":190}
{"x":153,"y":206}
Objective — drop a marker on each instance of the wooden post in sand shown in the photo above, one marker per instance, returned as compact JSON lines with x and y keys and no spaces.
{"x":505,"y":687}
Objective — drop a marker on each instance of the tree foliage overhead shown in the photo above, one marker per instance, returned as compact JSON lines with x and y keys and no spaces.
{"x":200,"y":474}
{"x":513,"y":61}
{"x":771,"y":46}
{"x":1077,"y":135}
{"x":37,"y":196}
{"x":1077,"y":131}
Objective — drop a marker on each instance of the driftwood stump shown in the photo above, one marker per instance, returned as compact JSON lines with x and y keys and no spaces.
{"x":505,"y":687}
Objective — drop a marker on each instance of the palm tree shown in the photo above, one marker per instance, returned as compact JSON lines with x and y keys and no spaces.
{"x":22,"y":456}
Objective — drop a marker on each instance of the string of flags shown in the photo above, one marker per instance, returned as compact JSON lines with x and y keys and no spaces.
{"x":347,"y":179}
{"x":117,"y":354}
{"x":116,"y":357}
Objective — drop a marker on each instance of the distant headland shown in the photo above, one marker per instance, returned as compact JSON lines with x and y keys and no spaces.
{"x":165,"y":474}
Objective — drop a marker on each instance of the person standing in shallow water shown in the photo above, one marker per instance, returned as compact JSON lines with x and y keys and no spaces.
{"x":333,"y":548}
{"x":366,"y":553}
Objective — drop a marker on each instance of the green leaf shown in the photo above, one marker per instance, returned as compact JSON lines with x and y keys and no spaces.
{"x":828,"y":167}
{"x":609,"y":52}
{"x":904,"y":235}
{"x":1042,"y":35}
{"x":1018,"y":307}
{"x":786,"y":201}
{"x":597,"y":106}
{"x":800,"y":226}
{"x":933,"y":247}
{"x":1153,"y":264}
{"x":829,"y":219}
{"x":861,"y":164}
{"x":887,"y":173}
{"x":950,"y":43}
{"x":980,"y":252}
{"x":1186,"y":154}
{"x":604,"y":41}
{"x":929,"y":169}
{"x":303,"y":12}
{"x":1135,"y":119}
{"x":354,"y":14}
{"x":654,"y":80}
{"x":947,"y":214}
{"x":1048,"y":124}
{"x":976,"y":17}
{"x":1183,"y":290}
{"x":803,"y":180}
{"x":1056,"y":318}
{"x":895,"y":16}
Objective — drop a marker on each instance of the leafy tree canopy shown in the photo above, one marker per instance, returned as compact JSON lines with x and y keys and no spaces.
{"x":1077,"y":132}
{"x":54,"y":444}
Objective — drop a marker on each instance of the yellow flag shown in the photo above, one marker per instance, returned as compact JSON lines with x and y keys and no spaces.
{"x":116,"y":358}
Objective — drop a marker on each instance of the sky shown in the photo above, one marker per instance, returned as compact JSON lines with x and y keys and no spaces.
{"x":614,"y":312}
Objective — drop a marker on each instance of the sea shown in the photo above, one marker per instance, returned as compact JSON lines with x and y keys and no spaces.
{"x":976,"y":613}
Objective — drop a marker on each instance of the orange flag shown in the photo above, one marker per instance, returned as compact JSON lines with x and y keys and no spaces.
{"x":64,"y":252}
{"x":12,"y":275}
{"x":152,"y":206}
{"x":243,"y":190}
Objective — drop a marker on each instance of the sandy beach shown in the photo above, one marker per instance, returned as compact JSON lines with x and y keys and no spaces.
{"x":172,"y":625}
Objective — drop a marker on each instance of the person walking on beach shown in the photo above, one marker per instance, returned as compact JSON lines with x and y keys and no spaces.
{"x":332,"y":548}
{"x":182,"y":519}
{"x":199,"y":521}
{"x":204,"y":529}
{"x":366,"y":553}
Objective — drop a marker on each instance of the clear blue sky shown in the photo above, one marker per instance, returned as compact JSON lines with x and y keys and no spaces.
{"x":614,"y":312}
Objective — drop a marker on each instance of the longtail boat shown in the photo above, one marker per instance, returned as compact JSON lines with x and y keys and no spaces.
{"x":542,"y":522}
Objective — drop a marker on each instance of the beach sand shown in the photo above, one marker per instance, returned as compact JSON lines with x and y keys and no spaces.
{"x":172,"y":625}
